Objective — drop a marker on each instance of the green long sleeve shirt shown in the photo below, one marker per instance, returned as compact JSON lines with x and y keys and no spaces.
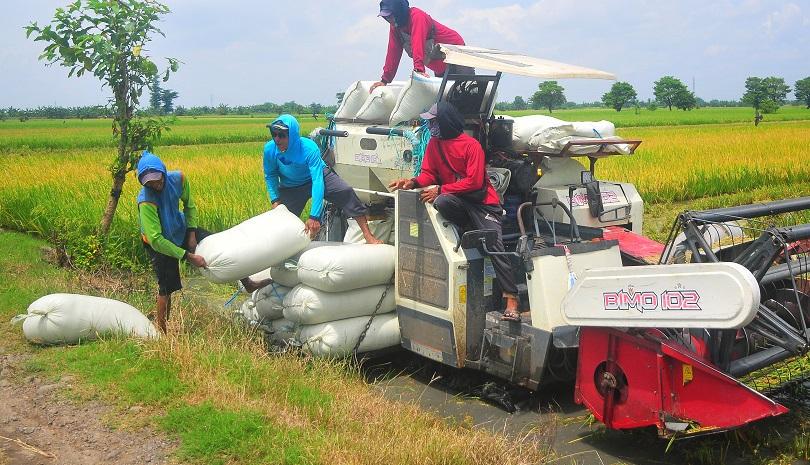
{"x":152,"y":232}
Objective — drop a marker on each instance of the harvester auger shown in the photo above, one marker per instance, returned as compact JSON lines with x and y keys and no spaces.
{"x":697,"y":380}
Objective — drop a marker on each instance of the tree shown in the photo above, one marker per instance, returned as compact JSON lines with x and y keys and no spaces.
{"x":666,"y":89}
{"x":106,"y":38}
{"x":621,"y":93}
{"x":684,"y":100}
{"x":315,"y":108}
{"x":155,"y":95}
{"x":549,"y":96}
{"x":519,"y":103}
{"x":167,"y":98}
{"x":803,"y":91}
{"x":765,"y":95}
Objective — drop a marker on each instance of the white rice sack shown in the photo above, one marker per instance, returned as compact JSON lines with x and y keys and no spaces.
{"x":353,"y":99}
{"x":556,"y":145}
{"x":598,"y":129}
{"x":286,"y":272}
{"x":253,"y":245}
{"x":381,"y":229}
{"x":416,"y":97}
{"x":70,"y":318}
{"x":379,"y":104}
{"x":261,"y":275}
{"x":351,"y":266}
{"x":308,"y":306}
{"x":268,"y":301}
{"x":338,"y":338}
{"x":527,"y":127}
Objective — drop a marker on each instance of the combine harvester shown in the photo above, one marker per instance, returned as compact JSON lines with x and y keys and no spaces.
{"x":687,"y":336}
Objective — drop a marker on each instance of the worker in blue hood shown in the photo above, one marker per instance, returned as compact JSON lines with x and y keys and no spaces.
{"x":294,"y":172}
{"x":168,"y":234}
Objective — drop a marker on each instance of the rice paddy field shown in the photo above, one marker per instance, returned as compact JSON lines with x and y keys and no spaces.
{"x":54,"y":178}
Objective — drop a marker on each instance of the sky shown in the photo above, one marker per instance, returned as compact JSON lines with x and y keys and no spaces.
{"x":243,"y":52}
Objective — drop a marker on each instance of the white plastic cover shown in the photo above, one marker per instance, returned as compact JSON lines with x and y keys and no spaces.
{"x":351,"y":266}
{"x":253,"y":245}
{"x":309,"y":306}
{"x":380,"y":228}
{"x":417,"y":97}
{"x":338,"y":338}
{"x":695,"y":295}
{"x":379,"y":104}
{"x":516,"y":63}
{"x":70,"y":318}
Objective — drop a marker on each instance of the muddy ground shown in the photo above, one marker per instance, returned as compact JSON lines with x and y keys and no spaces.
{"x":40,"y":425}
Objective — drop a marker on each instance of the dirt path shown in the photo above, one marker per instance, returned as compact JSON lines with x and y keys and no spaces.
{"x":39,"y":426}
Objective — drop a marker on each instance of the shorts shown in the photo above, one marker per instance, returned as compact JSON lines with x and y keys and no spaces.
{"x":167,"y":269}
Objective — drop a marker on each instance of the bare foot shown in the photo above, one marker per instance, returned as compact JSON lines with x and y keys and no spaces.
{"x":251,"y":285}
{"x":373,"y":240}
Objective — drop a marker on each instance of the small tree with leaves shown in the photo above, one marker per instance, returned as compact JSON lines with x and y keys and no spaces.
{"x":765,"y":95}
{"x":167,"y":98}
{"x":155,"y":95}
{"x":667,"y":89}
{"x":620,"y":94}
{"x":519,"y":104}
{"x":684,"y":100}
{"x":803,"y":91}
{"x":550,"y":96}
{"x":106,"y":38}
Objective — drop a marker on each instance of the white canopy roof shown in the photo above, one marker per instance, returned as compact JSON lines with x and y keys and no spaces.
{"x":515,"y":63}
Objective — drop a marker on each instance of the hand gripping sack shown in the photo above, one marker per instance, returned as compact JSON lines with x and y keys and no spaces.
{"x":353,"y":99}
{"x":416,"y":97}
{"x":379,"y":104}
{"x":309,"y":306}
{"x":338,"y":338}
{"x":253,"y":245}
{"x":269,"y":300}
{"x":70,"y":318}
{"x":346,"y":267}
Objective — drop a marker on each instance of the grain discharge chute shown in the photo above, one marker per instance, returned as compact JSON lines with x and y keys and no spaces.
{"x":687,"y":336}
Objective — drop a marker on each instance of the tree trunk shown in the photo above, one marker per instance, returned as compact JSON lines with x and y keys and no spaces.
{"x":120,"y":176}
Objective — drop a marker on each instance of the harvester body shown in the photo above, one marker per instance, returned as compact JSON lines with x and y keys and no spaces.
{"x":653,"y":334}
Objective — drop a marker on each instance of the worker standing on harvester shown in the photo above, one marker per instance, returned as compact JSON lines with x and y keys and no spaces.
{"x":294,"y":171}
{"x":454,"y":164}
{"x":170,"y":235}
{"x":415,"y":32}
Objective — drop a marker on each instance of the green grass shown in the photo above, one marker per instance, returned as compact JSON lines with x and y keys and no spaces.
{"x":218,"y":436}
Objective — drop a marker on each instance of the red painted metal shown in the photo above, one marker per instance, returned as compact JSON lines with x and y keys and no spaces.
{"x":637,"y":246}
{"x":638,"y":380}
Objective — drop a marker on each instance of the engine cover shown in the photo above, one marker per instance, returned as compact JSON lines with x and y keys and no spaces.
{"x":695,"y":295}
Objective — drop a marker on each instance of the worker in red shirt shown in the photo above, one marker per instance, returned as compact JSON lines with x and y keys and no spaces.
{"x":454,"y":165}
{"x":415,"y":32}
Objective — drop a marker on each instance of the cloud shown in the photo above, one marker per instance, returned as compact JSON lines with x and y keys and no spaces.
{"x":368,"y":29}
{"x":782,"y":19}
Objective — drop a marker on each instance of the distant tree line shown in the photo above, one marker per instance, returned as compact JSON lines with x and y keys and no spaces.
{"x":765,"y":95}
{"x":102,"y":111}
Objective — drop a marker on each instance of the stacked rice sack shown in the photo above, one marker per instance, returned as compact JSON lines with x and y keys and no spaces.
{"x":549,"y":134}
{"x":323,"y":299}
{"x":340,"y":288}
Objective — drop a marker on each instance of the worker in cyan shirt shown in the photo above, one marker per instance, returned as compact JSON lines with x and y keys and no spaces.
{"x":454,"y":165}
{"x":294,"y":171}
{"x":415,"y":32}
{"x":170,"y":235}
